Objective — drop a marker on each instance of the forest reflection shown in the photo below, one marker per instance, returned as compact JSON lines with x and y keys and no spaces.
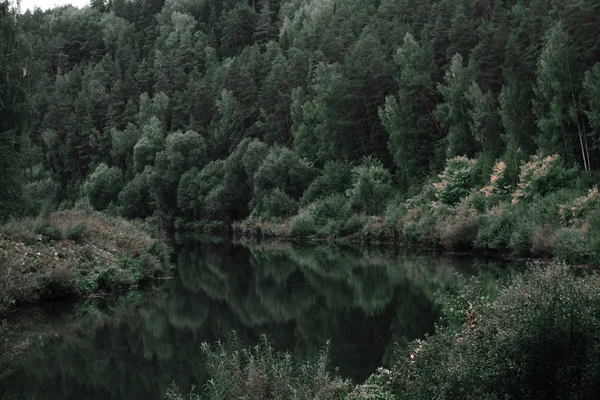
{"x":301,"y":297}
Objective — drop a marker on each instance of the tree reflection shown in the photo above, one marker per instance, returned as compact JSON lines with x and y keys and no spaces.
{"x":362,"y":301}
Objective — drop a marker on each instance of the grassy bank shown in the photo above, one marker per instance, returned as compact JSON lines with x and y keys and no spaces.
{"x":539,"y":337}
{"x":552,"y":212}
{"x":74,"y":254}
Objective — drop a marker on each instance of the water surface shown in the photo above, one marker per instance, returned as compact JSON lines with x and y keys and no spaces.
{"x":134,"y":347}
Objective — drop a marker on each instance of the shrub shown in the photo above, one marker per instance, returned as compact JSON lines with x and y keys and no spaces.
{"x":103,"y":186}
{"x":278,"y":204}
{"x":496,"y":227}
{"x":328,"y":208}
{"x":577,"y":209}
{"x":499,"y":186}
{"x":353,"y":225}
{"x":539,"y":339}
{"x":335,"y":178}
{"x":371,"y":187}
{"x":134,"y":198}
{"x":458,"y":230}
{"x":284,"y":170}
{"x":261,"y":372}
{"x":49,"y":231}
{"x":540,"y":176}
{"x":459,"y":177}
{"x":77,"y":233}
{"x":303,"y":225}
{"x":580,"y":245}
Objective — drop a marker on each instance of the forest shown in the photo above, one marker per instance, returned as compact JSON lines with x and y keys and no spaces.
{"x":462,"y":125}
{"x":467,"y":126}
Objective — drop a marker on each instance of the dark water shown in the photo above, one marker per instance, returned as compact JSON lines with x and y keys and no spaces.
{"x":134,"y":347}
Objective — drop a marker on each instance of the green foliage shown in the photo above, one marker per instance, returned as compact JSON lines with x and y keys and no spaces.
{"x":545,"y":326}
{"x":78,"y":233}
{"x":303,"y":225}
{"x":13,"y":112}
{"x":281,"y":170}
{"x":278,"y":204}
{"x":103,"y":186}
{"x":540,"y":176}
{"x":459,"y":177}
{"x":263,"y":373}
{"x":134,"y":199}
{"x":371,"y":187}
{"x":49,"y":231}
{"x":335,"y":178}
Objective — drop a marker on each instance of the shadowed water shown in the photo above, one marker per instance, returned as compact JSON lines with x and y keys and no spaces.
{"x":134,"y":347}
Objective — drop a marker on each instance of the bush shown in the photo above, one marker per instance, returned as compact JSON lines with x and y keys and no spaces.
{"x":353,"y":225}
{"x":540,"y":176}
{"x":329,"y":208}
{"x":458,"y":230}
{"x":277,"y":204}
{"x":335,"y":178}
{"x":103,"y":186}
{"x":284,"y":170}
{"x":261,"y":372}
{"x":134,"y":199}
{"x":539,"y":339}
{"x":499,"y":186}
{"x":49,"y":231}
{"x":576,"y":210}
{"x":303,"y":225}
{"x":496,"y":227}
{"x":580,"y":245}
{"x":458,"y":179}
{"x":77,"y":233}
{"x":371,"y":187}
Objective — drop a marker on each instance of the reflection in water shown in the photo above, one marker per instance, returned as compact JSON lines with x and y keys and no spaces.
{"x":135,"y":347}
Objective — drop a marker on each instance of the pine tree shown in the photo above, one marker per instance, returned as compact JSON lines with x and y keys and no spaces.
{"x":408,"y":116}
{"x":13,"y":111}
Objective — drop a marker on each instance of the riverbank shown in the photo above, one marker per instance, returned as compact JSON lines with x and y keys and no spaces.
{"x":72,"y":254}
{"x":544,"y":324}
{"x":553,"y":212}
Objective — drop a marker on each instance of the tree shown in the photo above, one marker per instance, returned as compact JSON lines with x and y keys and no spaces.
{"x":556,"y":105}
{"x":13,"y":111}
{"x":408,"y":116}
{"x":453,"y":113}
{"x":103,"y":186}
{"x":182,"y":152}
{"x":591,"y":86}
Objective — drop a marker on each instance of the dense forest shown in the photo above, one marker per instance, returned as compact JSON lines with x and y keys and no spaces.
{"x":462,"y":124}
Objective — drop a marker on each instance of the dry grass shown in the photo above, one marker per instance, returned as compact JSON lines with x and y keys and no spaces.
{"x":72,"y":253}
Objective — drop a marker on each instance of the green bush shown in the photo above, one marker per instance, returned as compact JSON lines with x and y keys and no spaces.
{"x":134,"y":199}
{"x":353,"y":225}
{"x":103,"y":186}
{"x":303,"y":225}
{"x":49,"y":231}
{"x":277,"y":204}
{"x":332,"y":207}
{"x":77,"y":233}
{"x":539,"y":339}
{"x":542,"y":175}
{"x":371,"y":187}
{"x":496,"y":228}
{"x":335,"y":178}
{"x":458,"y":230}
{"x":460,"y":176}
{"x":581,"y":244}
{"x":262,"y":373}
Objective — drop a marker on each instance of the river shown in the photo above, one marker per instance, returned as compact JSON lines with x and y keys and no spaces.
{"x":133,"y":347}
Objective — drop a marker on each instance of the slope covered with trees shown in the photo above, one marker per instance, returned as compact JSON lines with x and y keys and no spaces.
{"x":465,"y":124}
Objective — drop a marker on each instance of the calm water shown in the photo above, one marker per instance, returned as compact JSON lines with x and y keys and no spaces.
{"x":135,"y":346}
